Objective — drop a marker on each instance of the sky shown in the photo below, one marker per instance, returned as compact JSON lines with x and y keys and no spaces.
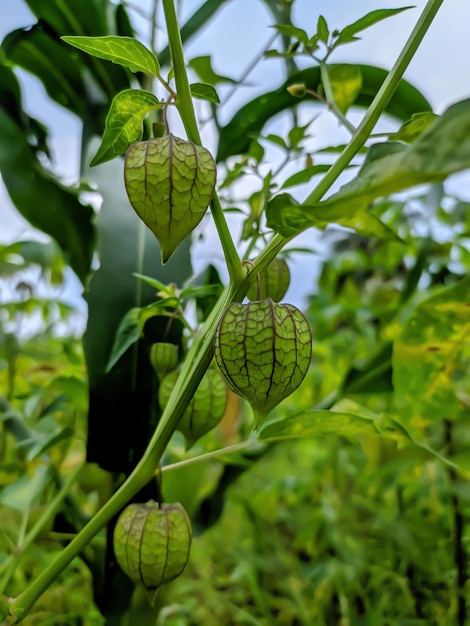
{"x":237,"y":34}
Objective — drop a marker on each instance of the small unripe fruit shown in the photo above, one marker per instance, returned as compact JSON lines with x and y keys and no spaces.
{"x":205,"y":409}
{"x":152,"y":542}
{"x":164,"y":358}
{"x":272,"y":283}
{"x":263,"y":350}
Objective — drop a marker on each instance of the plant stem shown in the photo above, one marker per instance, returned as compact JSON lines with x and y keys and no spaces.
{"x":196,"y":363}
{"x":185,"y":107}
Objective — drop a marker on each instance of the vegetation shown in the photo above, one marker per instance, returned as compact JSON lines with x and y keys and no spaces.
{"x":348,"y":503}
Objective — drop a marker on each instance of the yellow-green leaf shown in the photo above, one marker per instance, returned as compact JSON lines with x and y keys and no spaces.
{"x":124,"y":123}
{"x":413,"y":128}
{"x":346,"y":84}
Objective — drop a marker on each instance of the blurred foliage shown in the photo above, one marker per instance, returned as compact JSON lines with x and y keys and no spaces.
{"x":353,"y":530}
{"x":346,"y":528}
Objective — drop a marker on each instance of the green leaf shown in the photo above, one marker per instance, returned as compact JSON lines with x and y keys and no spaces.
{"x":50,"y":60}
{"x":414,"y":128}
{"x":200,"y":292}
{"x":51,"y":439}
{"x":127,"y":334}
{"x":25,"y":491}
{"x":131,"y":329}
{"x":288,"y":218}
{"x":292,"y":31}
{"x":153,"y":282}
{"x":204,"y":91}
{"x":249,"y":121}
{"x":304,"y":176}
{"x":125,"y":51}
{"x":297,"y":134}
{"x":318,"y":424}
{"x":348,"y":33}
{"x":322,"y":30}
{"x":42,"y":200}
{"x":389,"y":168}
{"x":277,"y":140}
{"x":65,"y":16}
{"x":338,"y":149}
{"x":346,"y":84}
{"x":279,"y":55}
{"x":427,"y":357}
{"x":124,"y":123}
{"x":203,"y":68}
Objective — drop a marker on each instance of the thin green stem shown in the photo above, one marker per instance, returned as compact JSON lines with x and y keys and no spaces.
{"x":185,"y":107}
{"x":215,"y":455}
{"x":330,"y":99}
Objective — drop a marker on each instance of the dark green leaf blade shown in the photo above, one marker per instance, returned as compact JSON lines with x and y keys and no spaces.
{"x":47,"y":204}
{"x":124,"y":123}
{"x":125,"y":51}
{"x":37,"y":52}
{"x":127,"y":389}
{"x":65,"y":16}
